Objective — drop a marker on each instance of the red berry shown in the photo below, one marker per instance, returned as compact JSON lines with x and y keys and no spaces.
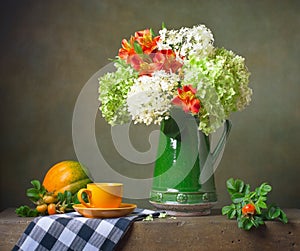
{"x":248,"y":209}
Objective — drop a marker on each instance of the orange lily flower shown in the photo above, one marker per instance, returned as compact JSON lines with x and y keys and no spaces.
{"x":167,"y":58}
{"x":151,"y":60}
{"x":186,"y":98}
{"x":127,"y":48}
{"x":144,"y":38}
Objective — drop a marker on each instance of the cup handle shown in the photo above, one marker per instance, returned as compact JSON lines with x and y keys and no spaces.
{"x":79,"y":196}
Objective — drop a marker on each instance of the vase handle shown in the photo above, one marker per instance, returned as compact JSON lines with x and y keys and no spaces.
{"x":206,"y":175}
{"x":218,"y":149}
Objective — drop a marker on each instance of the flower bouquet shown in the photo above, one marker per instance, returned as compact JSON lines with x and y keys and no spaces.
{"x":177,"y":68}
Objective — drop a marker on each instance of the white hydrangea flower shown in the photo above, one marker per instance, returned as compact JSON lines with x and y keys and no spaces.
{"x":149,"y":99}
{"x":186,"y":42}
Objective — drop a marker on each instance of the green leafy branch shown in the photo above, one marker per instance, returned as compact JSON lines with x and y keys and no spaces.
{"x":37,"y":192}
{"x":43,"y":200}
{"x":250,"y":208}
{"x":66,"y":201}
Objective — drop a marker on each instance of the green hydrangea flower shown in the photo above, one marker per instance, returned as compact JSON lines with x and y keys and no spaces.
{"x":222,"y":86}
{"x":113,"y":89}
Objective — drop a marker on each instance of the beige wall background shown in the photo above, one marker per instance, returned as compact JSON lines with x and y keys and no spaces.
{"x":50,"y":49}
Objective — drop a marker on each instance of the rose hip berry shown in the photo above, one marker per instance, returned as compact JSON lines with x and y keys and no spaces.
{"x":248,"y":209}
{"x":51,"y":209}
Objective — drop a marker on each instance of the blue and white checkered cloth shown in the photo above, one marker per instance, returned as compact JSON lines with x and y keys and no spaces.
{"x":72,"y":232}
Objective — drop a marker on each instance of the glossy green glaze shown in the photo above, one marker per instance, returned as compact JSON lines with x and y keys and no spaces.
{"x":183,"y":173}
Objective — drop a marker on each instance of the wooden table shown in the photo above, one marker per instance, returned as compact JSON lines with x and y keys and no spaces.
{"x":214,"y":232}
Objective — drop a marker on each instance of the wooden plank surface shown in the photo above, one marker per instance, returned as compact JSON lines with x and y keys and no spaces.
{"x":11,"y":228}
{"x":213,"y":232}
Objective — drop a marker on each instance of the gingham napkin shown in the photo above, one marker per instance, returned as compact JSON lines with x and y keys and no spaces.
{"x":71,"y":231}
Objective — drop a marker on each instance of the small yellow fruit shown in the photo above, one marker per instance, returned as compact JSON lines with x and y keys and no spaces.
{"x":42,"y":208}
{"x":48,"y":199}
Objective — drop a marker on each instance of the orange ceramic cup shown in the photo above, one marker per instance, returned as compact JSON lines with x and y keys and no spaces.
{"x":102,"y":195}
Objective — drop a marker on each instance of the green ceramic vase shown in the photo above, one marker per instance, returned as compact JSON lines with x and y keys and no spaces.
{"x":183,"y":182}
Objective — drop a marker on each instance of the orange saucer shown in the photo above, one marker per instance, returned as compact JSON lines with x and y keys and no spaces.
{"x":92,"y":212}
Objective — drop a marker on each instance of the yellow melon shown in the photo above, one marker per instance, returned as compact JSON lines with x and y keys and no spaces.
{"x":66,"y":175}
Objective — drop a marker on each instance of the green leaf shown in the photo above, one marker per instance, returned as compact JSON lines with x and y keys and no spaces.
{"x":138,"y":49}
{"x":68,"y":197}
{"x":25,"y":211}
{"x":239,"y":185}
{"x":273,"y":212}
{"x":60,"y":197}
{"x":254,"y":223}
{"x":163,"y":26}
{"x":239,"y":211}
{"x":257,"y":208}
{"x":248,"y":225}
{"x":234,"y":186}
{"x":230,"y":186}
{"x":283,"y":217}
{"x":263,"y":189}
{"x":259,"y":220}
{"x":241,"y":224}
{"x":267,"y":188}
{"x":230,"y":211}
{"x":250,"y":195}
{"x":33,"y":193}
{"x":261,"y":204}
{"x":226,"y":209}
{"x":245,"y":223}
{"x":152,"y":32}
{"x":237,"y":197}
{"x":276,"y":213}
{"x":36,"y":184}
{"x":247,"y":189}
{"x":75,"y":199}
{"x":232,"y":214}
{"x":263,"y":198}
